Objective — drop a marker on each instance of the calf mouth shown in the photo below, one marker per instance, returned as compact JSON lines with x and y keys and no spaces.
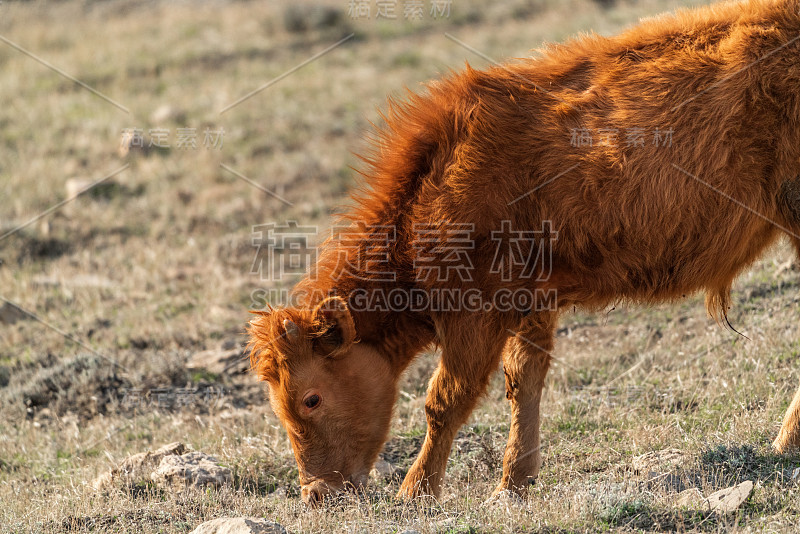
{"x":318,"y":492}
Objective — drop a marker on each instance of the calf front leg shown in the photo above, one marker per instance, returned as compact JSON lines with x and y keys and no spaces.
{"x":789,"y":435}
{"x":471,"y":351}
{"x":526,"y":361}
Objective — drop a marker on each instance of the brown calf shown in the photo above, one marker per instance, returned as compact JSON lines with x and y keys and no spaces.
{"x":639,"y":168}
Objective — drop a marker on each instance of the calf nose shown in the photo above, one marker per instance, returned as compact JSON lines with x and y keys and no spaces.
{"x":313,"y":494}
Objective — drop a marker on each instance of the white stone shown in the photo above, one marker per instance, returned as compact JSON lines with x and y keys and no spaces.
{"x":137,"y":469}
{"x":191,"y":469}
{"x":657,"y":461}
{"x":239,"y":525}
{"x":729,"y":499}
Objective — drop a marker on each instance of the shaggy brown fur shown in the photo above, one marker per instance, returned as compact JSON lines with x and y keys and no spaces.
{"x":640,"y":223}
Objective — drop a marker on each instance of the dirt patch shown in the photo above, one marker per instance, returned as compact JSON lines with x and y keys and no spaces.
{"x":85,"y":385}
{"x":22,"y":248}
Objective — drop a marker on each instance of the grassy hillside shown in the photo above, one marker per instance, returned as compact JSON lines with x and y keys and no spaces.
{"x":132,"y":279}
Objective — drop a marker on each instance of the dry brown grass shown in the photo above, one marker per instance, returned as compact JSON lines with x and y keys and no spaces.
{"x":157,"y":267}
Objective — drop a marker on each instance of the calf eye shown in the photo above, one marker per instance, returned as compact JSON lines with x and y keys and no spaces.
{"x":311,"y":401}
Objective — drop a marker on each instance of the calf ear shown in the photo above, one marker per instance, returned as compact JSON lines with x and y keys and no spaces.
{"x":261,"y":345}
{"x":336,"y":331}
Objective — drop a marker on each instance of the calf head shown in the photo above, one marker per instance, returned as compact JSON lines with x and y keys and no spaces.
{"x":333,"y":394}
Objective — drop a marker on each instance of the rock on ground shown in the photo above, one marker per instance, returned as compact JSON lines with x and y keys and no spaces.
{"x":191,"y":469}
{"x":239,"y":525}
{"x":173,"y":464}
{"x":657,"y":461}
{"x":136,"y":470}
{"x":659,"y":466}
{"x":729,"y":499}
{"x":722,"y":502}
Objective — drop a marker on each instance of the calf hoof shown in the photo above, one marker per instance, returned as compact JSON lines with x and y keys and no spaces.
{"x":507,"y":487}
{"x":315,"y":494}
{"x":411,"y":492}
{"x":784,"y":443}
{"x":414,"y":487}
{"x":505,"y":498}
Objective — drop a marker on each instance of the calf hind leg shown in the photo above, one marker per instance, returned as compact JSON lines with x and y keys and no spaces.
{"x":789,"y":435}
{"x":525,"y":361}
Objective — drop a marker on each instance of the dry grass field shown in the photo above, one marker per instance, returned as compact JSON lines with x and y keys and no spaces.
{"x":123,"y":285}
